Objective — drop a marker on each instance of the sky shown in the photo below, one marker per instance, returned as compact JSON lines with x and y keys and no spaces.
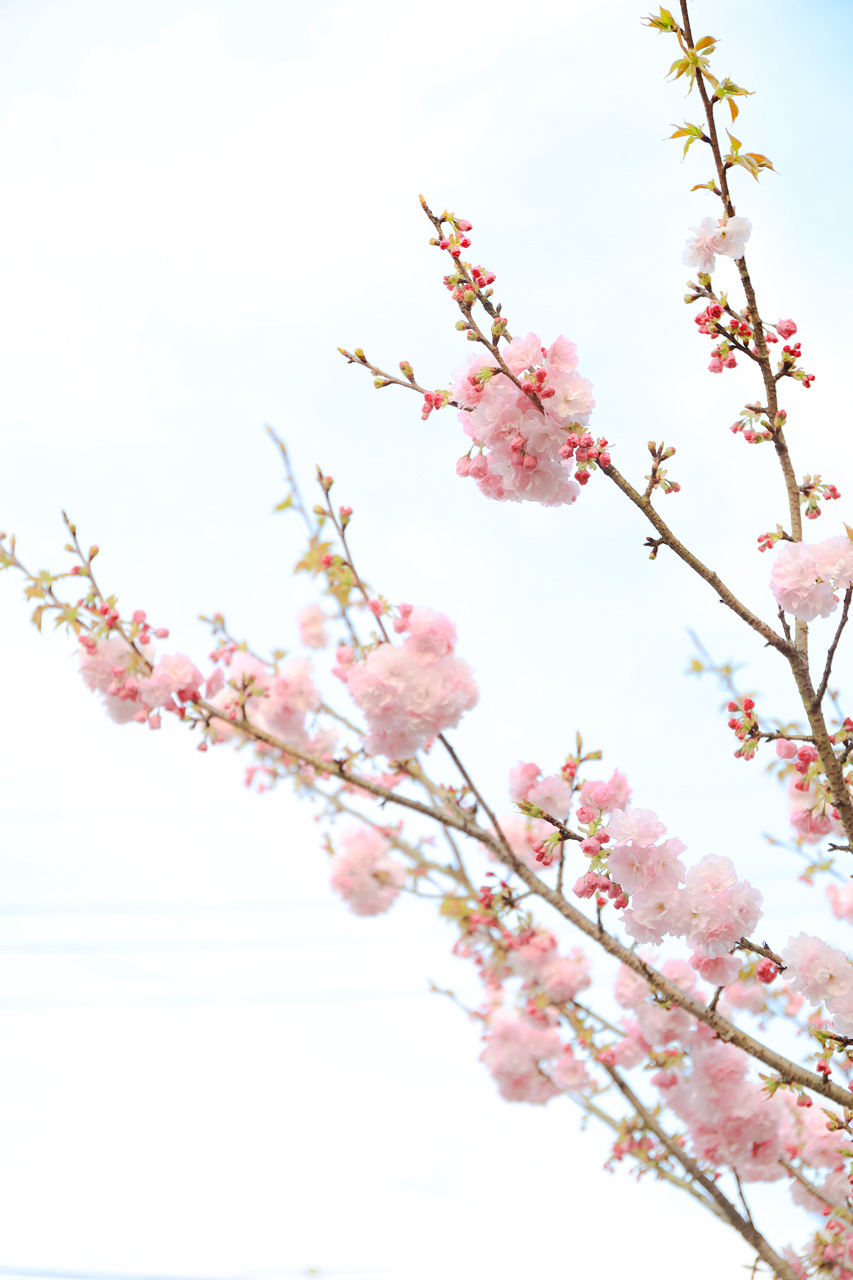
{"x":209,"y":1067}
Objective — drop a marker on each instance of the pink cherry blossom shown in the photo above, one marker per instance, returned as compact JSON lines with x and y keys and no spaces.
{"x":174,"y":675}
{"x":410,"y":693}
{"x":834,"y":560}
{"x":700,"y":249}
{"x":637,"y":826}
{"x":841,"y":900}
{"x":312,"y":627}
{"x":732,"y":235}
{"x":516,"y":1044}
{"x":523,"y":352}
{"x":363,"y":872}
{"x":718,"y":970}
{"x":794,"y":583}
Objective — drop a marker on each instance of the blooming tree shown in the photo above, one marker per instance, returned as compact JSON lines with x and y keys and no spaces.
{"x":573,"y":866}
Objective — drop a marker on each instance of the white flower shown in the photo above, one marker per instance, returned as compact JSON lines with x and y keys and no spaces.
{"x":731,"y":236}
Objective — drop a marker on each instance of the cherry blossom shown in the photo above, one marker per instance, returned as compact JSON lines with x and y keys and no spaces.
{"x":363,"y":872}
{"x":410,"y":693}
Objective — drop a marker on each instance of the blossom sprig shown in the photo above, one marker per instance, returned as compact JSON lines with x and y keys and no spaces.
{"x":812,"y":491}
{"x":744,"y":722}
{"x":789,"y":368}
{"x":694,"y":65}
{"x":658,"y":477}
{"x":767,"y":541}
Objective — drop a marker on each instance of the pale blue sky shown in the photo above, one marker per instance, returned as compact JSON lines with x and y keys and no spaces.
{"x":209,"y":1067}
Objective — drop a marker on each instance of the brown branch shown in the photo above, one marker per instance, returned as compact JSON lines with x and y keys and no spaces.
{"x":822,"y":687}
{"x":759,"y":950}
{"x":789,"y":1072}
{"x":726,"y":596}
{"x":744,"y":1227}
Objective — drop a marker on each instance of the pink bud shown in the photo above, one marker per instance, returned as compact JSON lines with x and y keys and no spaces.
{"x":785,"y":750}
{"x":162,"y":633}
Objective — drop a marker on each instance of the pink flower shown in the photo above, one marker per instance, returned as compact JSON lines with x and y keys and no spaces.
{"x":108,"y":666}
{"x":732,"y":236}
{"x":718,"y":970}
{"x":521,"y":778}
{"x":656,"y":911}
{"x":722,"y":909}
{"x":794,"y":583}
{"x":639,"y":866}
{"x":523,"y":352}
{"x":834,"y":560}
{"x":312,"y":627}
{"x":174,"y":675}
{"x":841,"y":900}
{"x":700,"y":251}
{"x":363,"y":872}
{"x":562,"y":355}
{"x":521,"y":443}
{"x":786,"y":329}
{"x":559,"y":977}
{"x":639,"y":826}
{"x":516,"y":1044}
{"x":553,"y":794}
{"x":569,"y":1073}
{"x":412,"y":692}
{"x":819,"y":971}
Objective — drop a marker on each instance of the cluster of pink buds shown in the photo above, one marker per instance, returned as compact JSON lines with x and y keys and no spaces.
{"x":482,"y":277}
{"x":787,"y":366}
{"x":740,"y":329}
{"x":811,"y":490}
{"x":805,"y":755}
{"x":722,"y":357}
{"x":456,"y":241}
{"x":602,"y":888}
{"x":585,"y":449}
{"x":707,"y":319}
{"x":433,"y":400}
{"x":744,"y":723}
{"x":766,"y":541}
{"x":755,"y":424}
{"x":534,"y":385}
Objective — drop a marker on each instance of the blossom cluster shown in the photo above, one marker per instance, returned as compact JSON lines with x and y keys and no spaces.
{"x":364,"y":873}
{"x":534,"y":957}
{"x":527,"y":432}
{"x":279,"y":700}
{"x":729,"y":1119}
{"x":110,"y":666}
{"x":518,"y":1046}
{"x":409,"y":693}
{"x":805,"y":576}
{"x":707,"y":905}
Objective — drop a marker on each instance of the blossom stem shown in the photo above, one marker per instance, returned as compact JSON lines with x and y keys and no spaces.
{"x":745,"y":1227}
